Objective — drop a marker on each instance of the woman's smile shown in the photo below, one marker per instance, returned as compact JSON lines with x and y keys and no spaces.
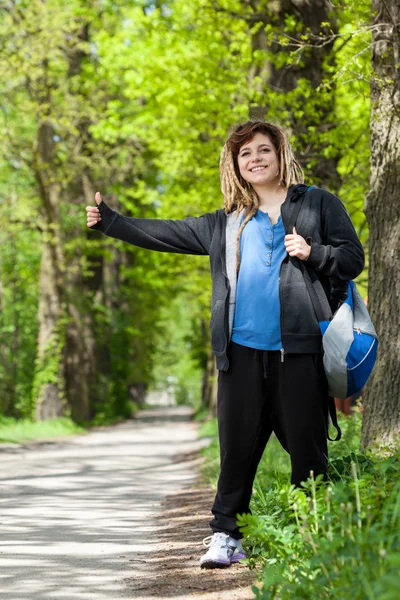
{"x":258,"y":168}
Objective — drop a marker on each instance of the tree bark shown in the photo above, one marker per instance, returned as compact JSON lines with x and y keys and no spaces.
{"x":381,"y":416}
{"x":49,"y":379}
{"x":264,"y":75}
{"x":81,"y":350}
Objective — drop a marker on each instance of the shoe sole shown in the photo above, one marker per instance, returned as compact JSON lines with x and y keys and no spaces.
{"x":213,"y":564}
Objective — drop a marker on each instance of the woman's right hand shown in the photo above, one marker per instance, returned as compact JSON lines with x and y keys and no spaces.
{"x":93,"y":213}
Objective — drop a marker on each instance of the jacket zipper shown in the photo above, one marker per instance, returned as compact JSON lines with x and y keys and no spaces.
{"x":223,"y":262}
{"x":281,"y":310}
{"x":279,"y":284}
{"x":279,"y":289}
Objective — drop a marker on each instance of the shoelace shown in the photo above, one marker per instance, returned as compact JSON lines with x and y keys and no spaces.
{"x":210,"y":540}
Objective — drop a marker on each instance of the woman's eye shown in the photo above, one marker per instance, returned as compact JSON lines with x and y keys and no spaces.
{"x":265,"y":150}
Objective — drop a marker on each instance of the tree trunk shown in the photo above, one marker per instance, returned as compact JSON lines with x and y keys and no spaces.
{"x":49,"y":385}
{"x":381,"y":416}
{"x":80,"y":351}
{"x":265,"y":75}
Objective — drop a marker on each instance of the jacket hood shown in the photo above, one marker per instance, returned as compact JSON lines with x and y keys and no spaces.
{"x":296,"y":191}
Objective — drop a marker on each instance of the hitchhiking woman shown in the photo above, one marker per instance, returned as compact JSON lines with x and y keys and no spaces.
{"x":264,"y":331}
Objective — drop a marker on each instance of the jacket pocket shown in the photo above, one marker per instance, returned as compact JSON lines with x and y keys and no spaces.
{"x":217,"y":327}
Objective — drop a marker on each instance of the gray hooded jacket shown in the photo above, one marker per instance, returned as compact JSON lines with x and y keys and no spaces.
{"x":336,"y":256}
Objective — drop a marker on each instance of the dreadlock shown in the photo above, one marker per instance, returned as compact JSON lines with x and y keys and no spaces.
{"x":239,"y":194}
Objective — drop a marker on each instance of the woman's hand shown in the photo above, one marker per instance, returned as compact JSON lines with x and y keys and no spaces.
{"x":93,"y":213}
{"x":297,"y":245}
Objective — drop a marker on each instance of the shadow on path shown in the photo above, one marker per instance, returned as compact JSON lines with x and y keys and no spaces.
{"x":75,"y":515}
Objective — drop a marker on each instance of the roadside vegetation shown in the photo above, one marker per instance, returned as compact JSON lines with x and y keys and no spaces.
{"x":335,"y":540}
{"x":14,"y":431}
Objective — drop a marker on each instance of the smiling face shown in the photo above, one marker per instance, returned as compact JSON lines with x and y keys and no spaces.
{"x":258,"y":161}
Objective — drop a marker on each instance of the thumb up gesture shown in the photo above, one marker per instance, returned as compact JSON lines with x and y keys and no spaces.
{"x":297,"y":245}
{"x":93,"y":213}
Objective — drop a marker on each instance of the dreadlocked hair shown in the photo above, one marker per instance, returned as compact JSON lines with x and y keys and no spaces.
{"x":239,"y":194}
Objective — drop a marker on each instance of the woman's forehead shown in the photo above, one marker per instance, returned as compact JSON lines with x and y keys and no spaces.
{"x":258,"y":139}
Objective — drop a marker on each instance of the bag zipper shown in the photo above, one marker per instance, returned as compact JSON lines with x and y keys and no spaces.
{"x":360,"y":331}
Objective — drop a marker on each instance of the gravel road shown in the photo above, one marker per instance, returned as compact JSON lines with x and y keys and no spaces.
{"x":77,"y":516}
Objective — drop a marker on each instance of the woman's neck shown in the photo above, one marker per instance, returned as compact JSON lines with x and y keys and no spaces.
{"x":271,"y":195}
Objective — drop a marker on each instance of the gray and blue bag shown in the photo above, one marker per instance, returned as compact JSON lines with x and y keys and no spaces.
{"x":349,"y":339}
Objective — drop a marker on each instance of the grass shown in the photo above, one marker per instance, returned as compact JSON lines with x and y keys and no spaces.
{"x":338,"y":540}
{"x":275,"y":463}
{"x":13,"y":431}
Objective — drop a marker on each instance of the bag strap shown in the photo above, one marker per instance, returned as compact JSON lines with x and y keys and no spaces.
{"x":333,"y":415}
{"x":297,"y":206}
{"x":318,"y":297}
{"x":295,"y":213}
{"x":321,"y":306}
{"x":317,"y":294}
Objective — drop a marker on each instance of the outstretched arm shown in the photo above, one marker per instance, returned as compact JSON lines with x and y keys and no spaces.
{"x":187,"y":236}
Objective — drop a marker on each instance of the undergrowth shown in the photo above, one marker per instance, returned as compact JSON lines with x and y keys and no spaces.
{"x":18,"y":430}
{"x":335,"y":540}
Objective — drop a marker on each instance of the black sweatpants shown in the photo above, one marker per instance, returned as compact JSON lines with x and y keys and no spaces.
{"x":258,"y":395}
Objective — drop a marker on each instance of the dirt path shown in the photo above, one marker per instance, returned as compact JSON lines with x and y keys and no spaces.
{"x":172,"y":571}
{"x":110,"y":515}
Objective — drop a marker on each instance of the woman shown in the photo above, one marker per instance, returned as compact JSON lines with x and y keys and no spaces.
{"x":264,"y":332}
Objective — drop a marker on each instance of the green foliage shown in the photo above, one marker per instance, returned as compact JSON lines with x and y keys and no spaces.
{"x":173,"y":359}
{"x":13,"y":431}
{"x":139,"y":98}
{"x":19,"y":263}
{"x":338,"y":539}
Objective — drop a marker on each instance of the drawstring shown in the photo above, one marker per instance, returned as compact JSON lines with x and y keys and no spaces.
{"x":264,"y":360}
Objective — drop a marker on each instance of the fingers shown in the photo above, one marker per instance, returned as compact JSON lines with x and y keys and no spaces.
{"x":293,"y":245}
{"x":296,"y":245}
{"x":92,"y":212}
{"x":93,"y":215}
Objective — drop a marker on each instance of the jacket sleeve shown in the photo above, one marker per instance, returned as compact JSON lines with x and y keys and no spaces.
{"x":342,"y":256}
{"x":187,"y":236}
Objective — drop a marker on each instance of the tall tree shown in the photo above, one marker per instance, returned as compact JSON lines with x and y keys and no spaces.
{"x":48,"y":68}
{"x":299,"y":65}
{"x":381,"y":416}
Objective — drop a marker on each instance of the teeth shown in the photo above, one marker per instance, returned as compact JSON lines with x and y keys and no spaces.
{"x":257,"y":169}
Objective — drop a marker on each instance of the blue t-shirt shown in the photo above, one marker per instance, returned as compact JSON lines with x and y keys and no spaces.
{"x":256,"y":321}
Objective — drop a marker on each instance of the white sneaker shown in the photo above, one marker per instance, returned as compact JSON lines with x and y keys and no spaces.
{"x":223,"y":551}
